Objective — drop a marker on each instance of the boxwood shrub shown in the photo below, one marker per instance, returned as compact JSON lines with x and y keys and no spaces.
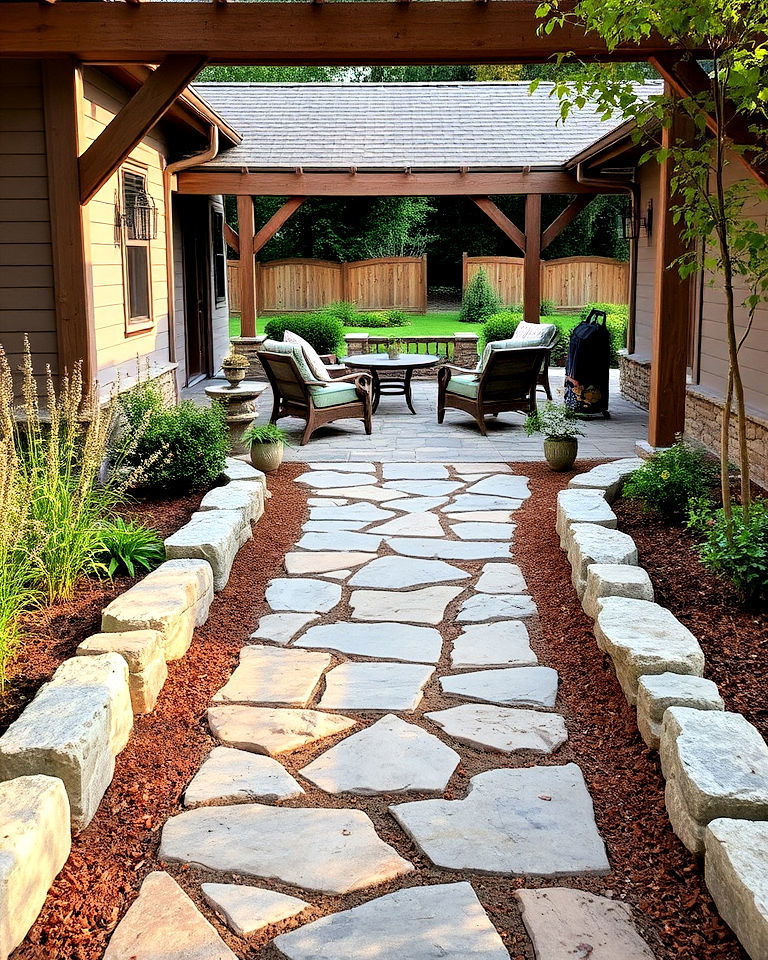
{"x":322,"y":329}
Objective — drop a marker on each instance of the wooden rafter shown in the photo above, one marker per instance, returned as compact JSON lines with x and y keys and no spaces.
{"x":157,"y":94}
{"x":276,"y":221}
{"x":501,"y":220}
{"x":562,"y":220}
{"x":283,"y":33}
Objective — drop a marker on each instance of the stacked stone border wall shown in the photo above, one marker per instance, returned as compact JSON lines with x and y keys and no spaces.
{"x":715,"y":763}
{"x":58,"y":758}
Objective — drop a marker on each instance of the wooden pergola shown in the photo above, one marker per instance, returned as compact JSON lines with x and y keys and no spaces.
{"x":182,"y":37}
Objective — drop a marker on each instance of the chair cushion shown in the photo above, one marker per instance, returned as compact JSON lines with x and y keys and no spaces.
{"x":311,"y":355}
{"x":463,"y":384}
{"x":292,"y":350}
{"x":494,"y":345}
{"x":534,"y":335}
{"x":333,"y":394}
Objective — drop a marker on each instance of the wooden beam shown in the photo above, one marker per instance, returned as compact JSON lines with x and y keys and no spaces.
{"x":283,"y":33}
{"x":687,"y":79}
{"x":70,"y":247}
{"x":532,"y":263}
{"x":672,"y":306}
{"x":562,"y":220}
{"x":232,"y":239}
{"x":341,"y":184}
{"x":502,"y":221}
{"x":246,"y":227}
{"x":276,"y":221}
{"x":116,"y":141}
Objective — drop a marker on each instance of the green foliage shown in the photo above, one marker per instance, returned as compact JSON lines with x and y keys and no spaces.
{"x":266,"y":433}
{"x":742,"y":557}
{"x":671,"y":478}
{"x":555,"y":421}
{"x":181,"y":448}
{"x":345,"y":311}
{"x":480,"y":299}
{"x":128,"y":547}
{"x":500,"y":326}
{"x":322,"y":329}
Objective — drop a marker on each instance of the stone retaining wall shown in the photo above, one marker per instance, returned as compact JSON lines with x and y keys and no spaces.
{"x":458,"y":348}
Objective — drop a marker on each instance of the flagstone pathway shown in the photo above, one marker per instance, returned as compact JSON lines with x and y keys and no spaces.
{"x":350,"y":670}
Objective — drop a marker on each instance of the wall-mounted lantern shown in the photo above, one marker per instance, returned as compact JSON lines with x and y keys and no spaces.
{"x":633,"y":227}
{"x":140,"y":216}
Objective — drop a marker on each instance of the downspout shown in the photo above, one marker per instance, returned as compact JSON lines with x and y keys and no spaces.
{"x":169,"y":183}
{"x":633,"y":189}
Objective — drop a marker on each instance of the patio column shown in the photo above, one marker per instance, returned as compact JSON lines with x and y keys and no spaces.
{"x":246,"y":230}
{"x":672,"y":307}
{"x":532,"y":263}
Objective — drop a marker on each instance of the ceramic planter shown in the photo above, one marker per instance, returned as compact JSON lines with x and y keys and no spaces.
{"x":393,"y":354}
{"x":561,"y":454}
{"x":235,"y":375}
{"x":267,"y":456}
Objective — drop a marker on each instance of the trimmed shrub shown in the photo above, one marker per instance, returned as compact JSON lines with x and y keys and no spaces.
{"x":323,"y":329}
{"x":392,"y":318}
{"x":499,"y":326}
{"x":671,"y":478}
{"x":480,"y":299}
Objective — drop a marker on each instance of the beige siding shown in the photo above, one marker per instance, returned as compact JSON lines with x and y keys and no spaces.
{"x":646,"y":264}
{"x":220,"y":313}
{"x":26,"y":274}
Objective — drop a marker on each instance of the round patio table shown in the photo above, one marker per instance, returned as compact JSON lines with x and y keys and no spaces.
{"x":377,"y":363}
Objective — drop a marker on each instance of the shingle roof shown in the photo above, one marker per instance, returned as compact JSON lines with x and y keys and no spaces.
{"x":395,"y":125}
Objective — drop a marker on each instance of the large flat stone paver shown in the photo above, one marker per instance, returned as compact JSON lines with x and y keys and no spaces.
{"x":273,"y":730}
{"x":411,"y":525}
{"x":367,"y":512}
{"x":281,"y":628}
{"x":383,"y":641}
{"x":356,"y":466}
{"x":375,"y":686}
{"x":449,"y":549}
{"x":346,"y":541}
{"x":414,"y":471}
{"x":414,"y":504}
{"x":323,"y":479}
{"x":425,"y":605}
{"x":390,"y":756}
{"x":333,"y":526}
{"x":247,"y":910}
{"x":330,"y":851}
{"x":424,"y":488}
{"x":466,"y":502}
{"x":516,"y":687}
{"x":393,"y":573}
{"x":323,"y":562}
{"x":488,"y":606}
{"x":443,"y":921}
{"x":501,"y":578}
{"x":484,"y":516}
{"x":536,"y":820}
{"x":504,"y":729}
{"x":504,"y":643}
{"x":232,"y":776}
{"x":302,"y":595}
{"x":477,"y":530}
{"x":501,"y":485}
{"x":274,"y":675}
{"x":371,"y":492}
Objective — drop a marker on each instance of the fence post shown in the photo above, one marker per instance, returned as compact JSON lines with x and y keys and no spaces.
{"x":345,"y":281}
{"x":424,"y":289}
{"x":463,"y":273}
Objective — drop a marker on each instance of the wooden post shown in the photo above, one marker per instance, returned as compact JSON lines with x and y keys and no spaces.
{"x":62,"y":93}
{"x":424,"y":288}
{"x":532,"y":264}
{"x":246,"y":229}
{"x":345,"y":292}
{"x":672,"y":308}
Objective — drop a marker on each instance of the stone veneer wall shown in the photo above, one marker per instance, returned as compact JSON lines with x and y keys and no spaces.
{"x":635,"y":379}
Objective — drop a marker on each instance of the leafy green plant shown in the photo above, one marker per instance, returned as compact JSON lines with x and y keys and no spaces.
{"x":480,"y":300}
{"x":266,"y":433}
{"x":555,"y":421}
{"x":235,"y":360}
{"x":323,"y":330}
{"x":500,"y":326}
{"x":128,"y":547}
{"x":671,"y":478}
{"x":742,"y":558}
{"x":397,"y":318}
{"x":345,"y":311}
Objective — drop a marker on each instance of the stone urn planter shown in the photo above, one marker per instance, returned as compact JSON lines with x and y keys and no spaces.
{"x":235,"y":367}
{"x":394,"y":350}
{"x":267,"y":446}
{"x":559,"y":424}
{"x":561,"y":454}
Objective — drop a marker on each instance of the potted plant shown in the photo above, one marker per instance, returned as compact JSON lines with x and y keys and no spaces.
{"x":235,"y":367}
{"x":266,"y":444}
{"x":559,"y":425}
{"x":394,"y":348}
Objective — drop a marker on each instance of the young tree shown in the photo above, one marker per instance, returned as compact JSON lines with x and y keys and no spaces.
{"x":725,"y":112}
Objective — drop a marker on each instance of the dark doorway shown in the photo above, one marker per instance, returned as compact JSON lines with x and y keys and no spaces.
{"x":194,"y":220}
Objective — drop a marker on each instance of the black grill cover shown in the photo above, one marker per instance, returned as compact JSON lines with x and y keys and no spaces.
{"x":588,"y":365}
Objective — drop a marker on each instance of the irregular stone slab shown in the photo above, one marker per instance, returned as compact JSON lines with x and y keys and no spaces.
{"x":337,"y":574}
{"x":426,"y":605}
{"x":346,"y":542}
{"x":237,"y":470}
{"x":323,"y":479}
{"x":488,"y":606}
{"x":144,"y":653}
{"x":246,"y":910}
{"x":483,"y":531}
{"x":614,"y":580}
{"x":582,"y":506}
{"x":424,"y":488}
{"x":273,"y":731}
{"x":232,"y":776}
{"x":73,"y":729}
{"x":643,"y":638}
{"x":589,"y":544}
{"x":571,"y":923}
{"x":501,"y":578}
{"x":212,"y":535}
{"x":391,"y":756}
{"x":354,"y":511}
{"x":467,"y":502}
{"x":375,"y":686}
{"x":371,"y":492}
{"x":332,"y":526}
{"x":173,"y":599}
{"x":608,"y":477}
{"x":330,"y":851}
{"x":516,"y":687}
{"x":501,"y":485}
{"x":504,"y":643}
{"x":736,"y":872}
{"x":162,"y":923}
{"x":487,"y":467}
{"x":392,"y":573}
{"x":245,"y":496}
{"x":420,"y":923}
{"x":323,"y":562}
{"x":502,"y":728}
{"x":414,"y":471}
{"x":384,"y":641}
{"x":656,"y":693}
{"x":321,"y":500}
{"x":302,"y":595}
{"x":274,"y":675}
{"x":411,"y":525}
{"x":449,"y":549}
{"x":417,"y":504}
{"x":484,"y":516}
{"x":716,"y":765}
{"x":35,"y":841}
{"x":537,"y":820}
{"x":281,"y":628}
{"x":344,"y":467}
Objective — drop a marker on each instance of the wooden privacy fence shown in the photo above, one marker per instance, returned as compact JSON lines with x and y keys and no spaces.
{"x":297,"y":285}
{"x":567,"y":282}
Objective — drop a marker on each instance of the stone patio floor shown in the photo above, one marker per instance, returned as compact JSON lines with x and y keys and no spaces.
{"x":391,"y":557}
{"x":399,"y":435}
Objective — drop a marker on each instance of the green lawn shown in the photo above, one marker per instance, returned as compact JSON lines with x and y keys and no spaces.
{"x":421,"y":325}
